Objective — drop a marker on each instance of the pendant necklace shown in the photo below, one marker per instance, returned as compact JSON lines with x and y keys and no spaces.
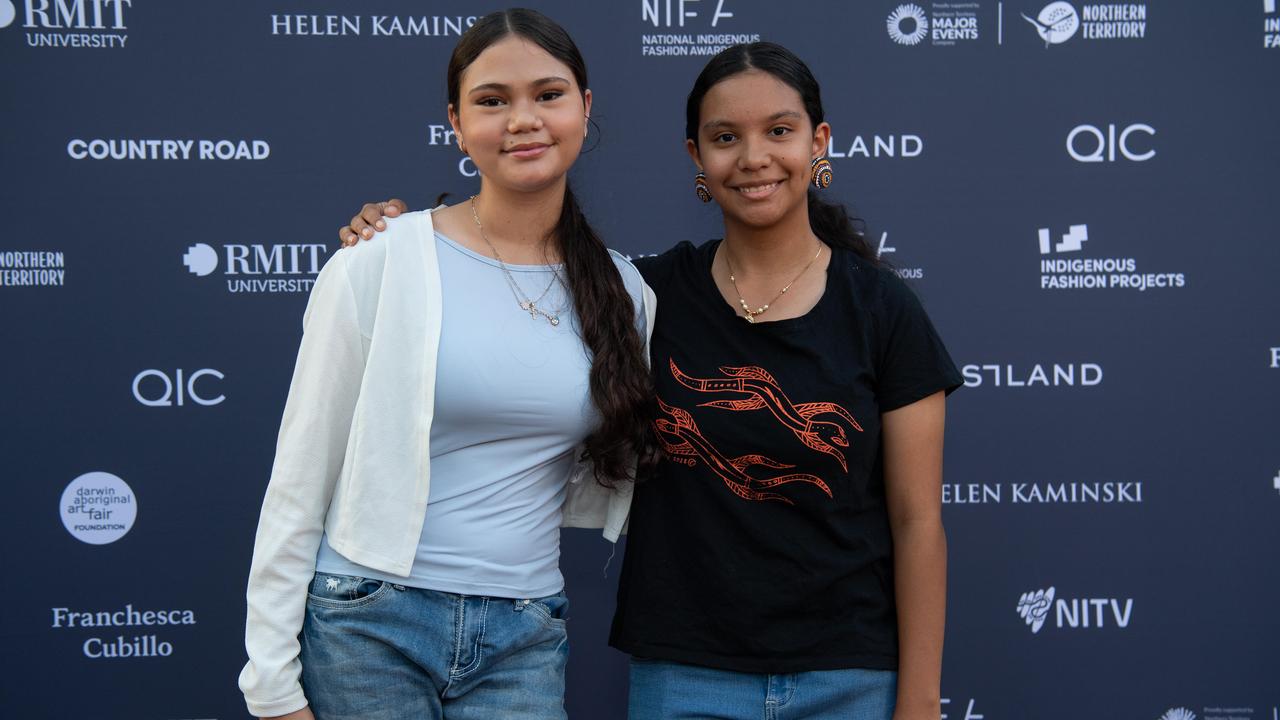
{"x":527,"y":304}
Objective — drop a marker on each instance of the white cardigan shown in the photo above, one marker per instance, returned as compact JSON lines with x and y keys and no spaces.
{"x":352,"y":458}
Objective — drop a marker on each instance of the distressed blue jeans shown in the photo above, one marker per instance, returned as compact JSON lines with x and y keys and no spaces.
{"x":663,"y":690}
{"x":376,"y":650}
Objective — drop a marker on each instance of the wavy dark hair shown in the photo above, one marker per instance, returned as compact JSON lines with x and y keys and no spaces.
{"x":620,"y":384}
{"x":831,"y":222}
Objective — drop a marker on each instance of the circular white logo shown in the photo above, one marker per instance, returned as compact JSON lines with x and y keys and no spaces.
{"x":98,"y":508}
{"x":1180,"y":713}
{"x":1056,"y":23}
{"x":7,"y":13}
{"x":908,"y":24}
{"x":200,"y":259}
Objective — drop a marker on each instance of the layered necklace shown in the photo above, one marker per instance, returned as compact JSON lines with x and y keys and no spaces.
{"x":750,"y":315}
{"x":529,"y":305}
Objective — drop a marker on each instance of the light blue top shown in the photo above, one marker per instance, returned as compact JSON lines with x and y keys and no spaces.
{"x":512,"y":404}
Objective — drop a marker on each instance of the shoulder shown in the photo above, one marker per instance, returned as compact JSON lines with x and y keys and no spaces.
{"x":657,"y":269}
{"x":405,"y":237}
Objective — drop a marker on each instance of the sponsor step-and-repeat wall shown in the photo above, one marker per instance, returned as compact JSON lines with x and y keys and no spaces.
{"x":1084,"y":196}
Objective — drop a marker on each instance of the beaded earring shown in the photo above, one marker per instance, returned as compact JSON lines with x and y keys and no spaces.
{"x":700,"y":187}
{"x":820,"y":173}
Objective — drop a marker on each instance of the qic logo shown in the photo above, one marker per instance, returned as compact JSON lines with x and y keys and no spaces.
{"x":244,"y":265}
{"x":71,"y":23}
{"x":1097,"y":147}
{"x":1035,"y":608}
{"x":175,"y":391}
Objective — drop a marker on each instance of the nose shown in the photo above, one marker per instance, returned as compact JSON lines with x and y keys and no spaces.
{"x":753,"y":155}
{"x":523,"y":118}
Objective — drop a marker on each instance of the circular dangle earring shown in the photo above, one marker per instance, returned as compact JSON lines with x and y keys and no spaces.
{"x":820,"y":173}
{"x":700,"y":187}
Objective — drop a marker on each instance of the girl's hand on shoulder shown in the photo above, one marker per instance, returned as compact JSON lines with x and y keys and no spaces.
{"x":368,"y":221}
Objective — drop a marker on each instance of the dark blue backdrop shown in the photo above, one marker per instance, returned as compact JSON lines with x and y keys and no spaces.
{"x":1083,"y":195}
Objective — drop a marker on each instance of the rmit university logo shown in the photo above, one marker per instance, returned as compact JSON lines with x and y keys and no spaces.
{"x":71,"y":23}
{"x":1056,"y":23}
{"x":1038,"y":606}
{"x":284,"y":268}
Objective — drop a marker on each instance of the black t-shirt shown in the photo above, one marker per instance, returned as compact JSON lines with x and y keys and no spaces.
{"x":763,"y":542}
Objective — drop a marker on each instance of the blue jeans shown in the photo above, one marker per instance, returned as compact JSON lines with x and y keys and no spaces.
{"x":663,"y":690}
{"x":376,"y":650}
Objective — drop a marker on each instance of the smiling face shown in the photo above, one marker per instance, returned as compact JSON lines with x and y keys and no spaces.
{"x":755,"y":144}
{"x":520,"y":115}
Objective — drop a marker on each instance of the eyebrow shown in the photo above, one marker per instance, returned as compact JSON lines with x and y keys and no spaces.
{"x":501,"y":87}
{"x":789,"y":114}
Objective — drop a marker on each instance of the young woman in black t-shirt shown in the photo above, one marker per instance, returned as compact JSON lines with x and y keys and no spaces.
{"x":788,"y":559}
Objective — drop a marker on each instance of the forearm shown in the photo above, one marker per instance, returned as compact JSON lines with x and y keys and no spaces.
{"x":920,"y":582}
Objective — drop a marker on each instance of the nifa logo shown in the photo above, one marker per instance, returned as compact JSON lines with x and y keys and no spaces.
{"x":1037,"y":606}
{"x":673,"y":13}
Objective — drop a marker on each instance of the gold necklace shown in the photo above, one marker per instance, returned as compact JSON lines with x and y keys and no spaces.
{"x":528,"y":305}
{"x":750,"y":315}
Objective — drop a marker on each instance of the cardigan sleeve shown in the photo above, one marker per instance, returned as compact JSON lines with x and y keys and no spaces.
{"x":313,"y":438}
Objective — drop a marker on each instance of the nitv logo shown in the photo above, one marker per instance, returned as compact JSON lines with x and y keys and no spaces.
{"x":1087,"y":143}
{"x":1036,"y":607}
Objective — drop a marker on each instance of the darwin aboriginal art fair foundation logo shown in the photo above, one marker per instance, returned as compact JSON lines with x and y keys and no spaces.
{"x":98,"y":508}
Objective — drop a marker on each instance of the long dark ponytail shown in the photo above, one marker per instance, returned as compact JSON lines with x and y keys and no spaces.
{"x":620,"y":384}
{"x":831,"y":222}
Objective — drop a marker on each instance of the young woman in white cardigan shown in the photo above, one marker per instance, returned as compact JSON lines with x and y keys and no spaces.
{"x":466,"y":384}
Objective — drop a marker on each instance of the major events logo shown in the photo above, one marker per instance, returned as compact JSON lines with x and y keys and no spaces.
{"x":681,"y":28}
{"x":1066,"y":264}
{"x":944,"y":23}
{"x":99,"y":24}
{"x":247,"y":268}
{"x":1060,"y":22}
{"x":1041,"y":608}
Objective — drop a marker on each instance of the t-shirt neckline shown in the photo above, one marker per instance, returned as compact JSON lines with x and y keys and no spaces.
{"x":799,"y":321}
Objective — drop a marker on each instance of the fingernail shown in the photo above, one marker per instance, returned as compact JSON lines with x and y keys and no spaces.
{"x":366,"y":232}
{"x":381,"y":225}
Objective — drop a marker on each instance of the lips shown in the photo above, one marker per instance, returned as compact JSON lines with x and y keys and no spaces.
{"x":527,"y":150}
{"x":758,"y":190}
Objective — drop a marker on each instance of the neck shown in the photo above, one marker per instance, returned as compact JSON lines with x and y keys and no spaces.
{"x":775,"y":250}
{"x":520,"y":220}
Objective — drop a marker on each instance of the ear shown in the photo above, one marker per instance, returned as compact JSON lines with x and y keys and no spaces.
{"x":586,"y":110}
{"x":692,"y":148}
{"x":455,"y":123}
{"x":821,"y":141}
